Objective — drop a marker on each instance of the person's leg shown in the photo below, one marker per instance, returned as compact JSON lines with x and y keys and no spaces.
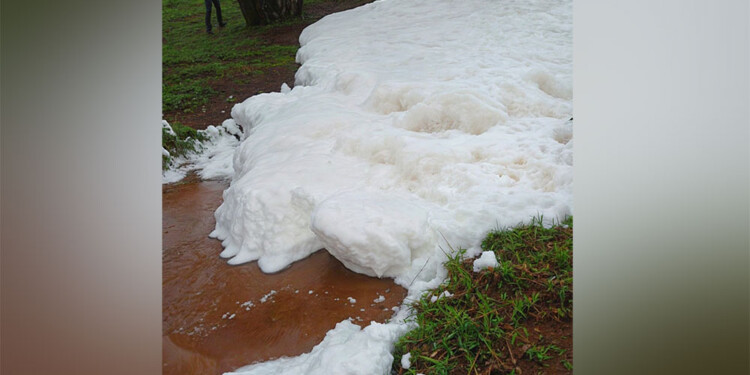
{"x":218,"y":13}
{"x":208,"y":16}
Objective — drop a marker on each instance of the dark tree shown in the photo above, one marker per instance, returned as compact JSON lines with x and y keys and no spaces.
{"x":263,"y":12}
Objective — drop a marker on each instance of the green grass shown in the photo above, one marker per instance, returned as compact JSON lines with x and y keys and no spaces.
{"x":193,"y":61}
{"x":489,"y":324}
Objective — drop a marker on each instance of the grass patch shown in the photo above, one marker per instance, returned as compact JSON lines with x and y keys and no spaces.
{"x":513,"y":319}
{"x":194,"y":62}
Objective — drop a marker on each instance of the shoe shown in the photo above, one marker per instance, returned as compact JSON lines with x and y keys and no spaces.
{"x":222,"y":24}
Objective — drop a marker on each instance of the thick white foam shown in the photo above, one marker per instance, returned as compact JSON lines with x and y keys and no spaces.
{"x":414,"y":128}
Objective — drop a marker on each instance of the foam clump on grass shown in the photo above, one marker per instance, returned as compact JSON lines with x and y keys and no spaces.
{"x":405,"y":361}
{"x":209,"y":151}
{"x":486,"y":260}
{"x":445,"y":293}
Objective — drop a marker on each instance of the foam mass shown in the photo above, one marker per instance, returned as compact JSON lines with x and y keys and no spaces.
{"x":414,"y":127}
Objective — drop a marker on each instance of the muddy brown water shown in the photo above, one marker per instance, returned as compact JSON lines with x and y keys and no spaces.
{"x":218,"y":317}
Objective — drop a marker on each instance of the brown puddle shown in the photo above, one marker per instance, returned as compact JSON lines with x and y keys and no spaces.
{"x":213,"y":317}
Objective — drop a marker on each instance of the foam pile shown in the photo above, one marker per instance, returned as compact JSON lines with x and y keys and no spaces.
{"x":414,"y":127}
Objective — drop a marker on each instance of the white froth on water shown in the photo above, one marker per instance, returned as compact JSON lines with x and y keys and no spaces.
{"x":414,"y":128}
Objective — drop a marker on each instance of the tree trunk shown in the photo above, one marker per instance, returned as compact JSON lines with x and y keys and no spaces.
{"x":264,"y":12}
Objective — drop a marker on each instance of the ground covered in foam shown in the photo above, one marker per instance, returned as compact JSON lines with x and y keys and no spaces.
{"x":414,"y":128}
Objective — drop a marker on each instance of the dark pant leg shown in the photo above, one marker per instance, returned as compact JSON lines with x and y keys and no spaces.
{"x":218,"y":11}
{"x":208,"y":14}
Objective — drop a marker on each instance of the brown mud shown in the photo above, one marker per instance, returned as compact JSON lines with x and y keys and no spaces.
{"x":218,"y":317}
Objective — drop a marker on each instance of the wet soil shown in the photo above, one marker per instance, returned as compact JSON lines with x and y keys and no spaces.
{"x":218,"y":317}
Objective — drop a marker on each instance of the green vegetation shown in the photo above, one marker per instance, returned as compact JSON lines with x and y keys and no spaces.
{"x":180,"y":142}
{"x":193,"y":62}
{"x":513,"y":319}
